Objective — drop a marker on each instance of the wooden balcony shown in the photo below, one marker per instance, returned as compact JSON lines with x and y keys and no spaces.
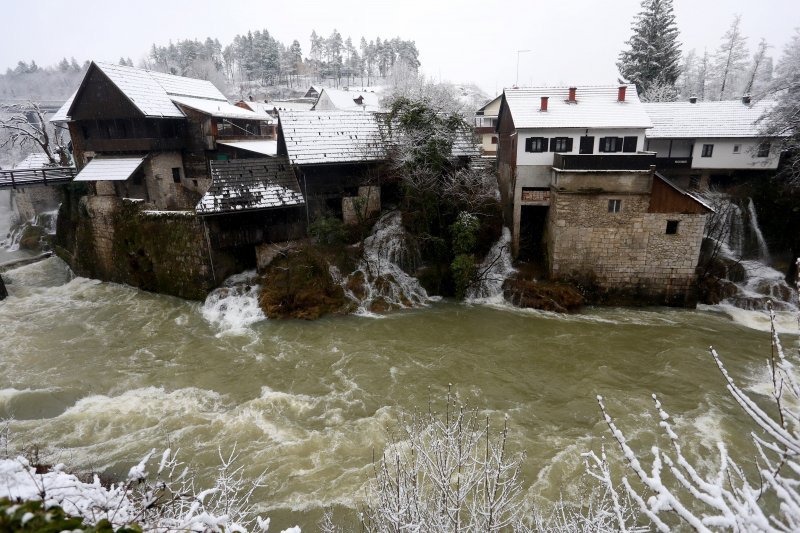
{"x":637,"y":161}
{"x":134,"y":145}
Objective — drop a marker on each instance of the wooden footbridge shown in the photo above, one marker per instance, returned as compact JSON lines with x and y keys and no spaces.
{"x":36,"y":177}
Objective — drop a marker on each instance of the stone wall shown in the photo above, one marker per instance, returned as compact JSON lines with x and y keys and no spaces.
{"x":111,"y":239}
{"x":356,"y":209}
{"x":627,"y":251}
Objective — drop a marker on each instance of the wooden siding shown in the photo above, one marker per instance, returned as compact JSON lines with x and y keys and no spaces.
{"x":99,"y":98}
{"x":664,"y":198}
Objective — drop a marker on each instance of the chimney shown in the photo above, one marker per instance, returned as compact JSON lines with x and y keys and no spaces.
{"x":692,"y":99}
{"x":621,"y":93}
{"x":572,"y":94}
{"x":746,"y":99}
{"x":544,"y":103}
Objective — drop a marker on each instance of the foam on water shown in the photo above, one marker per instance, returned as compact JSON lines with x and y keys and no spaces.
{"x":234,"y":306}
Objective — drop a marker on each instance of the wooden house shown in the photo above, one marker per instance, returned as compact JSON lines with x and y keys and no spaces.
{"x":148,"y":135}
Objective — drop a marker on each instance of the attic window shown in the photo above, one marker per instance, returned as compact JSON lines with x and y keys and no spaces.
{"x":672,"y":227}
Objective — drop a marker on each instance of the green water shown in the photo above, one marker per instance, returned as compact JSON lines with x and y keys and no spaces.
{"x":101,"y":373}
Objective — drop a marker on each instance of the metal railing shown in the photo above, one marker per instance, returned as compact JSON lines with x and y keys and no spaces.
{"x":34,"y":177}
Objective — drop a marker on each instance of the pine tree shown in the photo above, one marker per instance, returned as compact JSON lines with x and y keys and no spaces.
{"x":654,"y":55}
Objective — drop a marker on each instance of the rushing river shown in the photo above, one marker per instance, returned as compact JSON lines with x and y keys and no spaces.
{"x":101,"y":373}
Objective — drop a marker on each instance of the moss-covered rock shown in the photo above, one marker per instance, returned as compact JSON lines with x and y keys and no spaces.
{"x":299,"y":285}
{"x":32,"y":237}
{"x":547,"y":296}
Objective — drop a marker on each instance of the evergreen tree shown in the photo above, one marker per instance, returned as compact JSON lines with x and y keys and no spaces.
{"x":653,"y":55}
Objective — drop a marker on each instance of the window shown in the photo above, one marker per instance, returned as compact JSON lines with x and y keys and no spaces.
{"x":561,"y":144}
{"x":536,"y":144}
{"x":672,"y":227}
{"x":629,"y":143}
{"x":763,"y":150}
{"x":176,"y":174}
{"x":614,"y":206}
{"x":737,"y":148}
{"x":494,"y":140}
{"x":610,"y":144}
{"x":708,"y":149}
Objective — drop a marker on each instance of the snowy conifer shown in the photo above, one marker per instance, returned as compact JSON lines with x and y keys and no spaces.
{"x":654,"y":55}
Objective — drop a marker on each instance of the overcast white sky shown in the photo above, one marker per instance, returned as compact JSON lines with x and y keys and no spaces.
{"x":571,"y":41}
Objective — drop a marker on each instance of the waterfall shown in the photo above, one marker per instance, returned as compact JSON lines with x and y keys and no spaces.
{"x":741,"y":246}
{"x":379,"y":284}
{"x":493,"y":271}
{"x":234,"y":306}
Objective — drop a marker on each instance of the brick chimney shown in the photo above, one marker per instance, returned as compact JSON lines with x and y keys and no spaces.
{"x":544,"y":103}
{"x":572,"y":91}
{"x":692,"y":99}
{"x":621,"y":93}
{"x":746,"y":99}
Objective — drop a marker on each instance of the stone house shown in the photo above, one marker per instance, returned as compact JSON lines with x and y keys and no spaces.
{"x":536,"y":123}
{"x":702,"y":142}
{"x":628,"y":231}
{"x":584,"y":200}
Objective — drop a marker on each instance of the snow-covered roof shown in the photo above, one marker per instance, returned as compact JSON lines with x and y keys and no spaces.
{"x":250,"y":184}
{"x":493,"y":104}
{"x":680,"y":120}
{"x":33,"y":161}
{"x":62,"y":114}
{"x":264,"y":147}
{"x":348,"y":100}
{"x":155,"y":93}
{"x":291,"y":105}
{"x":594,"y":107}
{"x":220,"y":109}
{"x":261,"y":108}
{"x":318,"y":137}
{"x":107,"y":168}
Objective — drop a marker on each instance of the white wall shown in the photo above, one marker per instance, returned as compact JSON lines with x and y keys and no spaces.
{"x":723,"y":156}
{"x":546,"y":158}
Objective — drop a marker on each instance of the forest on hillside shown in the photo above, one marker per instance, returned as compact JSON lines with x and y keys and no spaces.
{"x":250,"y":63}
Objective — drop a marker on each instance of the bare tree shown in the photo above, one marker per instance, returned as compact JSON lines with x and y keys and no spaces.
{"x":446,"y":472}
{"x":759,"y":59}
{"x":731,"y":57}
{"x":672,"y":487}
{"x":27,"y":126}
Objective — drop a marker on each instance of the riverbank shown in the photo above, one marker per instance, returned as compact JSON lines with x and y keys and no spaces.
{"x":310,"y":401}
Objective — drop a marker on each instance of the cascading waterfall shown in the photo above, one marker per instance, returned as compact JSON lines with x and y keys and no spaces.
{"x":234,"y":306}
{"x":493,"y":271}
{"x":379,"y":283}
{"x":740,"y":241}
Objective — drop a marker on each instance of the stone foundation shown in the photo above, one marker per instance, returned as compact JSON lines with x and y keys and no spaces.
{"x":627,"y":252}
{"x":117,"y":240}
{"x":356,"y":209}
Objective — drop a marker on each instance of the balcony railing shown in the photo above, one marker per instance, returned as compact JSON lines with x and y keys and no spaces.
{"x":637,"y":161}
{"x":673,"y":162}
